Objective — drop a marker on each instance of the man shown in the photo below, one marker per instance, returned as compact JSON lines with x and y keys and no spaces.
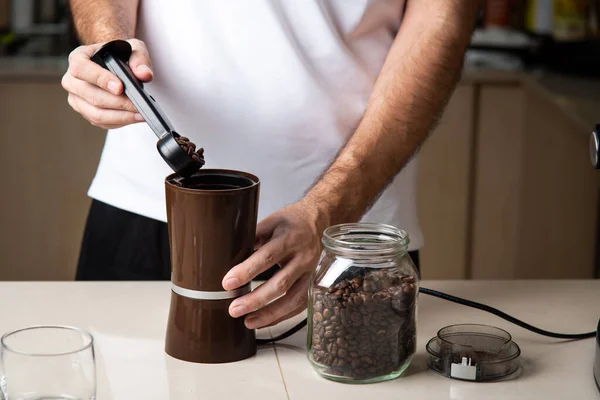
{"x":326,"y":101}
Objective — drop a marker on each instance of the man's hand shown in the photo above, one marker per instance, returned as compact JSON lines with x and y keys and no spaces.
{"x":97,"y":93}
{"x":291,"y":238}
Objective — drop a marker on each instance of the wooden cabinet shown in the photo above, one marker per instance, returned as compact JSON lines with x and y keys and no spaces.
{"x":559,"y":195}
{"x":47,"y":161}
{"x":445,"y":164}
{"x":497,"y":182}
{"x":506,"y":189}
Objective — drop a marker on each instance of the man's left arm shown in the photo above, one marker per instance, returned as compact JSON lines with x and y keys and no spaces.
{"x":416,"y":81}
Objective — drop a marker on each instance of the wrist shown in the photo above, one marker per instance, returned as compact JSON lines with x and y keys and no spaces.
{"x":319,"y":211}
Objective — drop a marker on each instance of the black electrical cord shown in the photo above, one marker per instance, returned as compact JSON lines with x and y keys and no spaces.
{"x":284,"y":335}
{"x":505,"y":316}
{"x":464,"y":302}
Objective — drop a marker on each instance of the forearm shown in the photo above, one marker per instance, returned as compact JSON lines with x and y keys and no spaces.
{"x":98,"y":21}
{"x":416,"y":81}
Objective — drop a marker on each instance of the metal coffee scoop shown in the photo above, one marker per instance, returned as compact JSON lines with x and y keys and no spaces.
{"x":114,"y":56}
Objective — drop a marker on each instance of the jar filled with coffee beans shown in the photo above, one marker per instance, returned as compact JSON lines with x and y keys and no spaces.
{"x":362,"y":304}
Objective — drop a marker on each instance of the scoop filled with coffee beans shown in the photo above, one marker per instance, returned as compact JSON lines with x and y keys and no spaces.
{"x":177,"y":151}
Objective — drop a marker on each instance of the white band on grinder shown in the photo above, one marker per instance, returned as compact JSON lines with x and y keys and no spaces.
{"x":202,"y":295}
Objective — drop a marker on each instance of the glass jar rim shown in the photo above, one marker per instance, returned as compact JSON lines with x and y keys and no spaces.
{"x":376,"y":239}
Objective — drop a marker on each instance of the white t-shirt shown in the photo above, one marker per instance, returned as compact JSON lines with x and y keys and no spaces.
{"x":271,"y":87}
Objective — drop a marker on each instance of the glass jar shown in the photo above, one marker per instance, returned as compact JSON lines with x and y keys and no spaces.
{"x":362,"y":304}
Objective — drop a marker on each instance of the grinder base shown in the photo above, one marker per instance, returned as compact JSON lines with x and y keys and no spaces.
{"x":202,"y":331}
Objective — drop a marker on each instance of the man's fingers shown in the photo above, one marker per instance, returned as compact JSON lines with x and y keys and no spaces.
{"x":88,"y":50}
{"x":291,"y":304}
{"x":95,"y":96}
{"x":286,"y":317}
{"x":82,"y":68}
{"x":103,"y":118}
{"x":275,"y":287}
{"x":263,"y":259}
{"x":139,"y":61}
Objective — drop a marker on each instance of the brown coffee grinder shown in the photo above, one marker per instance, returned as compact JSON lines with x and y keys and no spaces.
{"x":212,"y":223}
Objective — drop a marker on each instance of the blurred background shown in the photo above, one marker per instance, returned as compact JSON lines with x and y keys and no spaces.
{"x":505,"y":190}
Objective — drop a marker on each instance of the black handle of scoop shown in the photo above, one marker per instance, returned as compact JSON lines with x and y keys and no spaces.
{"x":114,"y":56}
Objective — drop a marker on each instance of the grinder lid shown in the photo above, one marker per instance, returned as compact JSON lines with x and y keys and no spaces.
{"x":473,"y":352}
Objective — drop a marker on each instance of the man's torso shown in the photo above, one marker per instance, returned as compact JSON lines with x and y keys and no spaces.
{"x":274,"y":88}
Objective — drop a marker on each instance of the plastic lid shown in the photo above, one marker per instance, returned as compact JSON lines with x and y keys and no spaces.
{"x":473,"y":352}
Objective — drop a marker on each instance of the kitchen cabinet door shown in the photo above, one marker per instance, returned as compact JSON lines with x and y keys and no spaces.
{"x":443,"y":189}
{"x":46,"y":165}
{"x":559,"y":199}
{"x":497,"y":182}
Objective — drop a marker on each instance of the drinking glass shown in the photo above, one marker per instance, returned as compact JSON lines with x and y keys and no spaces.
{"x":48,"y":362}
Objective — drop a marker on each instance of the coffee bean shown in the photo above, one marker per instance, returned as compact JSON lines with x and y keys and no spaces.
{"x":358,"y":300}
{"x":365,"y":324}
{"x":369,"y":286}
{"x":190,"y":149}
{"x":318,"y":317}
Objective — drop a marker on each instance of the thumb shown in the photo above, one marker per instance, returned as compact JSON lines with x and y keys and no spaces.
{"x":139,"y":62}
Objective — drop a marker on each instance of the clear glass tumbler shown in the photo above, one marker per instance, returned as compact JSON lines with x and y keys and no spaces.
{"x":48,"y":362}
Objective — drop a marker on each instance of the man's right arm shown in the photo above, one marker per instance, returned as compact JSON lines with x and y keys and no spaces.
{"x":94,"y":92}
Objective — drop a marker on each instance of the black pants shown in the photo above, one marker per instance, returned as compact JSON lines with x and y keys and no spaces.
{"x":119,"y":245}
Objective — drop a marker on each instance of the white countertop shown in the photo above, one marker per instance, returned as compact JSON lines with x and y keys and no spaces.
{"x":128,"y":321}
